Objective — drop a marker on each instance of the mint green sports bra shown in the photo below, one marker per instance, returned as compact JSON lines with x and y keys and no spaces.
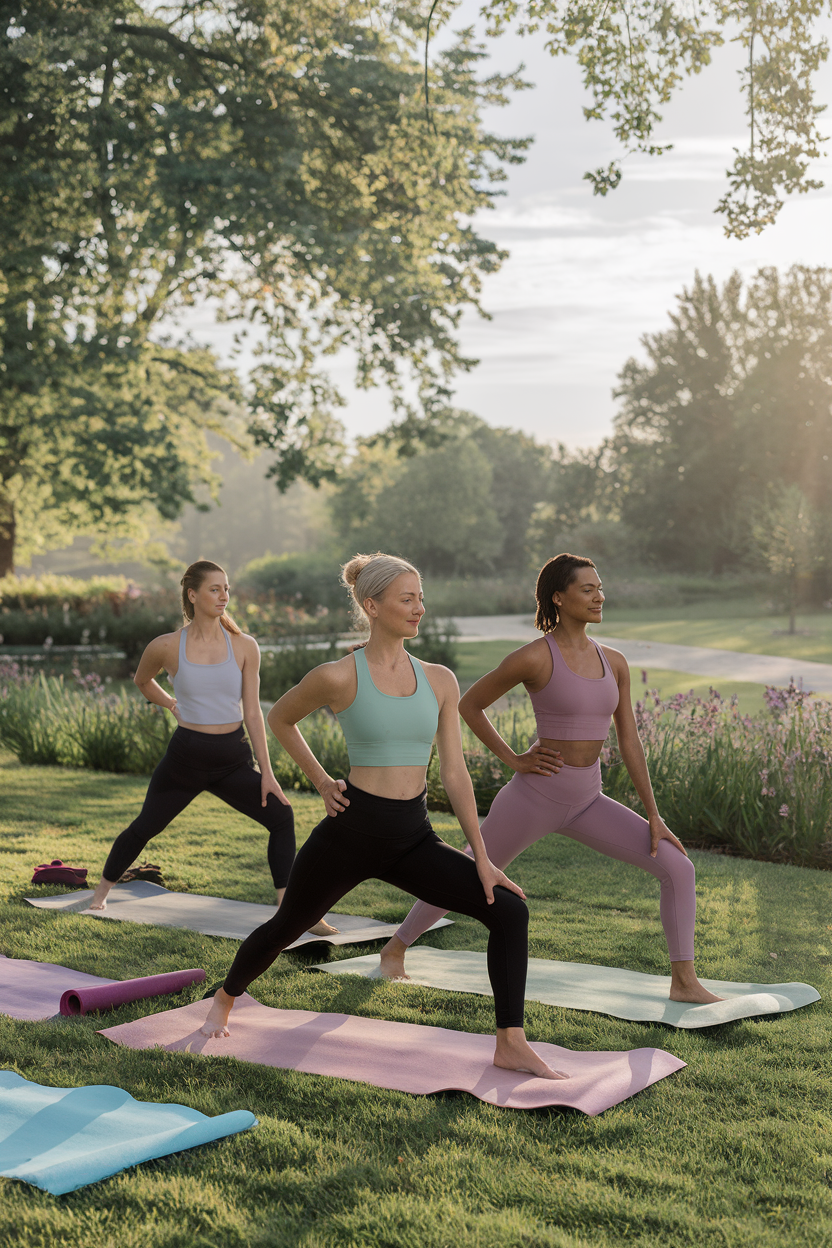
{"x":385,"y":731}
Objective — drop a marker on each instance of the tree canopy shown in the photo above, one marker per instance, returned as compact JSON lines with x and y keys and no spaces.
{"x":731,"y":406}
{"x":461,"y":507}
{"x":272,"y":159}
{"x":634,"y":54}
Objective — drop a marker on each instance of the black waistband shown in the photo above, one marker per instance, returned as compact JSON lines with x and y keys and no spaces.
{"x":396,"y":805}
{"x":192,"y":736}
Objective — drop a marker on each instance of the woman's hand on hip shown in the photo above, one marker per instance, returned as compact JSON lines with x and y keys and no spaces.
{"x":491,"y":877}
{"x":659,"y":831}
{"x":538,"y":760}
{"x":268,"y":784}
{"x":332,"y":791}
{"x":174,"y":710}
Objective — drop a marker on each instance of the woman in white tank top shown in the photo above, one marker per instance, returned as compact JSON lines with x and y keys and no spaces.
{"x":215,"y":671}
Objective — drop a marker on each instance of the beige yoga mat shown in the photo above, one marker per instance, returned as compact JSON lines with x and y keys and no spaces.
{"x":141,"y":902}
{"x":408,"y":1057}
{"x":602,"y":989}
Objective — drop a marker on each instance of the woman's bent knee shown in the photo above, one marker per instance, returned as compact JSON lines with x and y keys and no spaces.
{"x":509,"y":907}
{"x":678,"y":866}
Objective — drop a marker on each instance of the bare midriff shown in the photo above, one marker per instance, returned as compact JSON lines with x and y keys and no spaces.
{"x":213,"y":730}
{"x":576,"y":753}
{"x":398,"y":783}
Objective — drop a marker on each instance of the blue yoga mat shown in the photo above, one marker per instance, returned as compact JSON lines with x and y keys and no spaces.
{"x":60,"y":1139}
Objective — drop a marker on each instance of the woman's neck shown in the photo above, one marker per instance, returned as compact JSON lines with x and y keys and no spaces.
{"x":386,"y":649}
{"x":206,"y":627}
{"x":572,"y":633}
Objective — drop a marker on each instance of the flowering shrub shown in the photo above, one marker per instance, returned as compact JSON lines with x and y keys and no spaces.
{"x":759,"y":784}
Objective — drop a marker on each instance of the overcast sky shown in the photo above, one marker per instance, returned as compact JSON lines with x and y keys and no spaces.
{"x":588,"y":276}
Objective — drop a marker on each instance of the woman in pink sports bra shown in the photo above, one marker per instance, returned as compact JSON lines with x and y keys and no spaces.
{"x":576,"y":688}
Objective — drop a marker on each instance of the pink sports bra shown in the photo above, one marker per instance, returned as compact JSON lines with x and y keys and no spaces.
{"x":572,"y":707}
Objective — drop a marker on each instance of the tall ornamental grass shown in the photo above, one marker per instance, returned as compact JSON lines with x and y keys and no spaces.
{"x":45,"y":720}
{"x":758,"y":785}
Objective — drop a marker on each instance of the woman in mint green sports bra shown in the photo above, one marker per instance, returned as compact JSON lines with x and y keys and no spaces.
{"x":391,"y":707}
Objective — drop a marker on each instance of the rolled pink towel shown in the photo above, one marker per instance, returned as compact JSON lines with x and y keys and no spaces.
{"x":57,"y":872}
{"x":108,"y":996}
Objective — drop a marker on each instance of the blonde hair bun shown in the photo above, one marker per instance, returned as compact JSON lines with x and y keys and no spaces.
{"x":368,"y":576}
{"x":353,"y":569}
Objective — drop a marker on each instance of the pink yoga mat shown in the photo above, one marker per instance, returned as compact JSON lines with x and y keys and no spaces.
{"x":401,"y":1056}
{"x":33,"y":991}
{"x":108,"y":996}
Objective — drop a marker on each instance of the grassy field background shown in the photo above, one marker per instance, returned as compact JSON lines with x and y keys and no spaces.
{"x":735,"y":1150}
{"x":729,"y":625}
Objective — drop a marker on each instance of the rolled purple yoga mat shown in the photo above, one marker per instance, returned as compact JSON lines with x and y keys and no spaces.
{"x":108,"y":996}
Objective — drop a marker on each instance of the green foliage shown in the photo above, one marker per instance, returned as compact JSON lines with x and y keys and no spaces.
{"x":733,"y":400}
{"x":757,"y":785}
{"x":44,"y":722}
{"x":273,"y":159}
{"x":67,"y":612}
{"x":457,"y":504}
{"x":31,"y":592}
{"x":635,"y":53}
{"x":793,"y":540}
{"x":307,"y":580}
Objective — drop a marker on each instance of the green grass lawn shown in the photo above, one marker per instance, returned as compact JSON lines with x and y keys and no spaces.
{"x":732,"y":625}
{"x":735,"y":1150}
{"x":478,"y":657}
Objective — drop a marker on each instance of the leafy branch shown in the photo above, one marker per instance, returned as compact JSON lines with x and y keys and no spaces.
{"x":635,"y":53}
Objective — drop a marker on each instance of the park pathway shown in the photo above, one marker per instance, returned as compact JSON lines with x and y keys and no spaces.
{"x":763,"y":669}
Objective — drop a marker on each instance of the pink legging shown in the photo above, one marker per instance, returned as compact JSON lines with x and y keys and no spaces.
{"x":531,"y":806}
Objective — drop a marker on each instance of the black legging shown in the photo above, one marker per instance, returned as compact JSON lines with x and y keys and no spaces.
{"x":379,"y":838}
{"x":198,"y":762}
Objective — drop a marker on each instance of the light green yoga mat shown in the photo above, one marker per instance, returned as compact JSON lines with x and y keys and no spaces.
{"x":602,"y":989}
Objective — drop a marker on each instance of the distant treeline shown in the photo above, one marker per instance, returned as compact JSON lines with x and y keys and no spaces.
{"x":720,"y":459}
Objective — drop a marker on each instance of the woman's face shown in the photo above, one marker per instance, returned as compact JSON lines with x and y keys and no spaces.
{"x":211,"y":598}
{"x":400,"y":608}
{"x":583,"y":598}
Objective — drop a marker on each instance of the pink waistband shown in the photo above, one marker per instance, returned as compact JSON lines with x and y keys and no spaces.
{"x":571,"y":786}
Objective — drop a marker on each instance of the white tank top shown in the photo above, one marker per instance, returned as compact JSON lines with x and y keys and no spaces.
{"x":208,"y":693}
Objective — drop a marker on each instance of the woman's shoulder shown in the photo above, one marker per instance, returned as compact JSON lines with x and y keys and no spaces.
{"x":614,"y":657}
{"x":165,"y":641}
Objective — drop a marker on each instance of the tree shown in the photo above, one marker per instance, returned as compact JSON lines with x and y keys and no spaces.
{"x":634,"y":53}
{"x":275,"y":159}
{"x":789,"y":537}
{"x":733,"y":402}
{"x":441,"y":476}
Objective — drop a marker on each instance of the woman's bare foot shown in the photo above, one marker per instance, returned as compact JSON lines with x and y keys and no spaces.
{"x":216,"y":1024}
{"x":684,"y":986}
{"x":317,"y":929}
{"x":514,"y":1052}
{"x":322,"y":929}
{"x":98,"y":901}
{"x":392,"y":960}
